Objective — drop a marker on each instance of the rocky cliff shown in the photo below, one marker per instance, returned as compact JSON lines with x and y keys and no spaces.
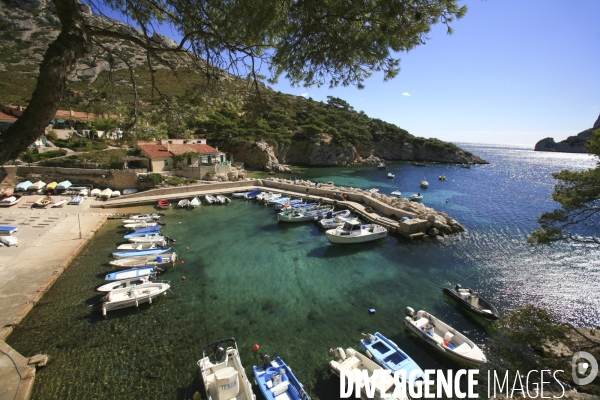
{"x":572,"y":144}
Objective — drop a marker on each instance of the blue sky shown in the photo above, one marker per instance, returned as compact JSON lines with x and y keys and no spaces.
{"x":513,"y":72}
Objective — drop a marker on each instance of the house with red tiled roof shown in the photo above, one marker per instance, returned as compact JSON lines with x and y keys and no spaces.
{"x":164,"y":154}
{"x":6,"y":120}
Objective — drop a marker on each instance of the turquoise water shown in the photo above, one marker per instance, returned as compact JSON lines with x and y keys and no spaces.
{"x":284,"y":287}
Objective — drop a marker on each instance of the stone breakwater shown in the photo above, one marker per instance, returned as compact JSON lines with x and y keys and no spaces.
{"x":423,"y":221}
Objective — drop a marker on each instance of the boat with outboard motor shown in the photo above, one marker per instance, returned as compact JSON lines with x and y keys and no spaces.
{"x":277,"y":381}
{"x":222,"y":199}
{"x":124,"y":283}
{"x":396,"y":193}
{"x":390,"y":175}
{"x":333,"y":219}
{"x":149,"y":237}
{"x":239,"y":194}
{"x":443,"y":337}
{"x":141,"y":246}
{"x":210,"y":199}
{"x":387,"y":354}
{"x":161,"y":260}
{"x":379,"y":381}
{"x":301,"y":215}
{"x":223,"y":376}
{"x":473,"y":302}
{"x":140,"y":253}
{"x":132,"y":273}
{"x":337,"y":221}
{"x":353,"y":232}
{"x":135,"y":225}
{"x":145,"y":216}
{"x":195,"y":202}
{"x":133,"y":296}
{"x":183,"y":203}
{"x":416,"y":197}
{"x":143,"y":231}
{"x":252,"y":195}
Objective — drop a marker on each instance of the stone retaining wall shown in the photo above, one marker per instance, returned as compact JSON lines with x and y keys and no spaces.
{"x":114,"y":178}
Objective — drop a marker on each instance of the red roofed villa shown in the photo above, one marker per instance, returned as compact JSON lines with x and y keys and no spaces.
{"x":162,"y":155}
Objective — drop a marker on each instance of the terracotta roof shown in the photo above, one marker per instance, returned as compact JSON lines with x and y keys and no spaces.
{"x":197,"y":148}
{"x":6,"y":117}
{"x":154,"y":150}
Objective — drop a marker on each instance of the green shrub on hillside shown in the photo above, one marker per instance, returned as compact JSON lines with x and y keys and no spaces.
{"x":30,"y":157}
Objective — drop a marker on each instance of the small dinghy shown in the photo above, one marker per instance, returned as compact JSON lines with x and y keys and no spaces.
{"x":354,"y":232}
{"x":443,"y":337}
{"x":106,"y":194}
{"x":154,"y":237}
{"x":133,"y":296}
{"x":252,"y":195}
{"x":267,"y":196}
{"x":277,"y":381}
{"x":64,"y":185}
{"x":149,"y":230}
{"x":51,"y":187}
{"x":300,"y":215}
{"x":416,"y":197}
{"x":223,"y":374}
{"x":132,"y":273}
{"x":381,"y":383}
{"x":37,"y":185}
{"x":195,"y":202}
{"x":10,"y":201}
{"x":59,"y":204}
{"x":424,"y":184}
{"x":23,"y":186}
{"x":43,"y":202}
{"x":183,"y":203}
{"x":396,"y":193}
{"x":9,"y":240}
{"x":163,"y":204}
{"x":76,"y":200}
{"x":278,"y":200}
{"x":145,"y":216}
{"x":240,"y":194}
{"x":95,"y":192}
{"x":125,"y":283}
{"x":210,"y":199}
{"x":140,"y":253}
{"x":473,"y":302}
{"x":133,"y":224}
{"x":442,"y":177}
{"x":141,"y":246}
{"x":161,"y":260}
{"x":390,"y":175}
{"x":129,"y":191}
{"x":336,"y":222}
{"x":387,"y":354}
{"x":222,"y":199}
{"x":115,"y":193}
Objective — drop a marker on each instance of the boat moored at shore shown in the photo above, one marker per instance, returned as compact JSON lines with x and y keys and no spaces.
{"x":354,"y":232}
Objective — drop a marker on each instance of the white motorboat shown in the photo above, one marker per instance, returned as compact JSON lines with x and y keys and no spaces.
{"x":129,"y":191}
{"x":333,"y":223}
{"x":95,"y":192}
{"x":141,"y":246}
{"x":133,"y":296}
{"x":380,"y":381}
{"x":115,"y":193}
{"x":149,"y":238}
{"x":210,"y":199}
{"x":10,"y":201}
{"x":354,"y":232}
{"x":9,"y":240}
{"x":443,"y":337}
{"x":134,"y":224}
{"x":76,"y":200}
{"x":37,"y":185}
{"x":160,"y":260}
{"x":125,"y":283}
{"x":266,"y":196}
{"x":183,"y":203}
{"x":390,"y":175}
{"x":105,"y":194}
{"x":195,"y":202}
{"x":145,"y":216}
{"x":300,"y":215}
{"x":222,"y":372}
{"x":416,"y":197}
{"x":222,"y":199}
{"x":331,"y":217}
{"x":239,"y":194}
{"x":396,"y":193}
{"x":59,"y":203}
{"x":424,"y":184}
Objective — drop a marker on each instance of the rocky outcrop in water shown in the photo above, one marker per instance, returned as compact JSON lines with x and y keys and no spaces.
{"x":572,"y":144}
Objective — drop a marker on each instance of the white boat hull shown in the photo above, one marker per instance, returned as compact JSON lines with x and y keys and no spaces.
{"x":9,"y":240}
{"x":369,"y":233}
{"x":134,"y":296}
{"x":109,"y":287}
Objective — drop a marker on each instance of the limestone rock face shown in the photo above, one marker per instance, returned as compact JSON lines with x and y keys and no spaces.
{"x":597,"y":123}
{"x":573,"y":144}
{"x":316,"y":154}
{"x":256,"y":155}
{"x":400,"y":151}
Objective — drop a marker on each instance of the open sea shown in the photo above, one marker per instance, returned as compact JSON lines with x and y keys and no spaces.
{"x":284,"y":287}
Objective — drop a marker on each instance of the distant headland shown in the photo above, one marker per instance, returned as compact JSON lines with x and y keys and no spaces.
{"x":572,"y":144}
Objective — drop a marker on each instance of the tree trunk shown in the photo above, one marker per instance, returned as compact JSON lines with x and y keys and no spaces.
{"x":71,"y":44}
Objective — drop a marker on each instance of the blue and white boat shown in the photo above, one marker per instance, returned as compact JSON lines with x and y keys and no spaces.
{"x":132,"y":273}
{"x":138,"y":234}
{"x":276,"y":380}
{"x":387,"y":354}
{"x":76,"y":200}
{"x":252,"y":195}
{"x":23,"y":186}
{"x":143,"y":231}
{"x":8,"y":229}
{"x":64,"y":185}
{"x":160,"y":260}
{"x":279,"y":200}
{"x":140,"y":253}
